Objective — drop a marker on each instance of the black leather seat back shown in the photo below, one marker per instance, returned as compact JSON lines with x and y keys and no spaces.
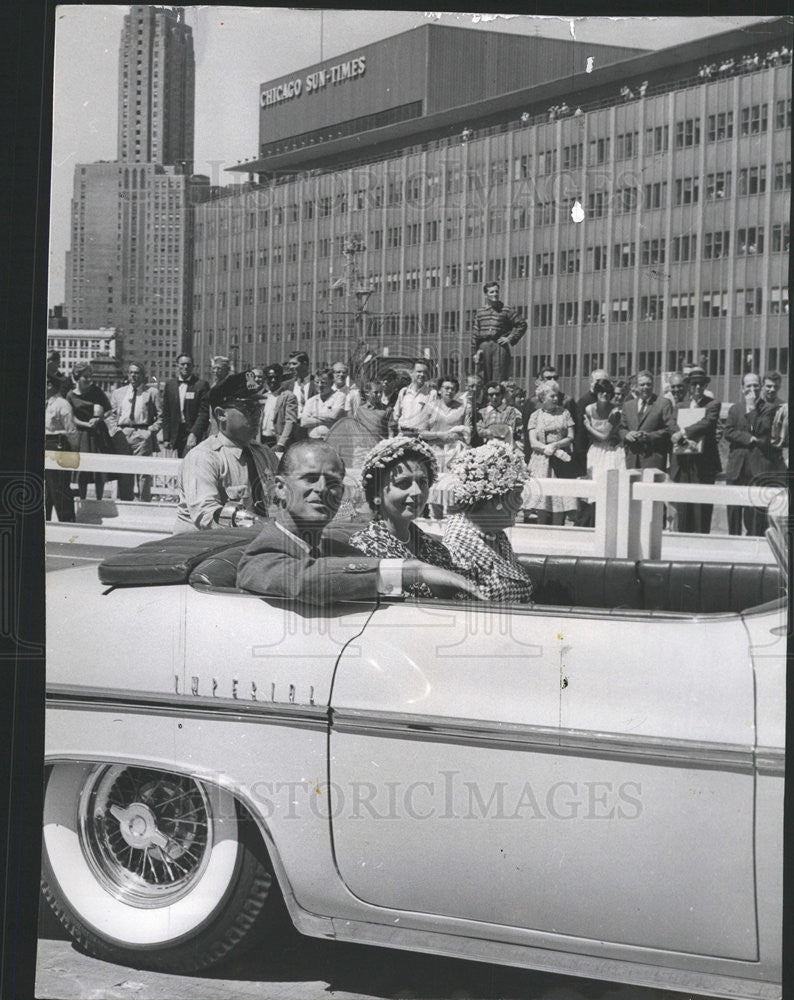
{"x":708,"y":588}
{"x":586,"y":582}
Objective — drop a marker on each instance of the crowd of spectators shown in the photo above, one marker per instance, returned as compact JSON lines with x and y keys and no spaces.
{"x":616,"y":424}
{"x":745,"y":64}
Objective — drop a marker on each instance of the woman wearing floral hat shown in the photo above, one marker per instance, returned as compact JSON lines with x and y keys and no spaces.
{"x":487,"y":493}
{"x":396,"y":477}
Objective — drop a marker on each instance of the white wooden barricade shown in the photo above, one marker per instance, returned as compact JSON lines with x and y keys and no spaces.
{"x":629,"y":513}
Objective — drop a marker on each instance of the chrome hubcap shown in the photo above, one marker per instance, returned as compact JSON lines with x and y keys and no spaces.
{"x":145,"y":834}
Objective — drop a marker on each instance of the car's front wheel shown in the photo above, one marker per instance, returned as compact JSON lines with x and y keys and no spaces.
{"x":150,"y":868}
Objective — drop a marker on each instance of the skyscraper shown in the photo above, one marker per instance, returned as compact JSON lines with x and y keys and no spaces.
{"x":156,"y":87}
{"x":128,"y":266}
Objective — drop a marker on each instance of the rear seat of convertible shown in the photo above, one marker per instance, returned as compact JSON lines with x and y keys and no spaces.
{"x":569,"y":581}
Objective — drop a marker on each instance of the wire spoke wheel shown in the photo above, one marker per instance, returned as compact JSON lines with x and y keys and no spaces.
{"x":145,"y":834}
{"x":152,"y":868}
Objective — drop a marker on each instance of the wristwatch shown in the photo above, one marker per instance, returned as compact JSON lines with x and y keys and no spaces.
{"x":234,"y":515}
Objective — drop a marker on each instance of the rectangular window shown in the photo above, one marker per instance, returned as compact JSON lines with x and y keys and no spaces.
{"x":749,"y":301}
{"x":783,"y":176}
{"x":567,"y":314}
{"x":522,"y":166}
{"x":714,"y":304}
{"x":716,"y":245}
{"x":655,"y":195}
{"x":687,"y":133}
{"x":754,"y":119}
{"x":431,"y":231}
{"x":622,"y":310}
{"x":626,"y":146}
{"x":651,"y":308}
{"x":780,"y":237}
{"x":657,"y":139}
{"x":544,"y":264}
{"x":597,"y":258}
{"x":599,"y":151}
{"x":519,"y":266}
{"x":682,"y":306}
{"x":783,"y":114}
{"x":596,"y":205}
{"x":752,"y":180}
{"x":750,"y":241}
{"x":594,"y":311}
{"x":570,"y":261}
{"x":687,"y":191}
{"x":653,"y":251}
{"x":625,"y":200}
{"x":720,"y":126}
{"x":718,"y":185}
{"x":623,"y":255}
{"x":778,"y":301}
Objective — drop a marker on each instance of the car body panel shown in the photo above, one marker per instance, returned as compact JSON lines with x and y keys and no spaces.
{"x":299,"y":714}
{"x":576,"y":722}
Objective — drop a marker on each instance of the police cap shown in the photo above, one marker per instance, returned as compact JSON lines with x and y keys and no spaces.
{"x":237,"y":387}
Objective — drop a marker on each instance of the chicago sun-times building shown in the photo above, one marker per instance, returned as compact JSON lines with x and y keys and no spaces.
{"x":643,"y":223}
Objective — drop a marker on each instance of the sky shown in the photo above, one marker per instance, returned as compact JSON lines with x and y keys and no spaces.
{"x":236,"y":49}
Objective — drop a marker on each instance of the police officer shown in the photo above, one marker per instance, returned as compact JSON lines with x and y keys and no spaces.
{"x":227,"y":480}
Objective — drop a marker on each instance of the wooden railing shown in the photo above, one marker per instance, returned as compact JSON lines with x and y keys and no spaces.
{"x":629,"y":510}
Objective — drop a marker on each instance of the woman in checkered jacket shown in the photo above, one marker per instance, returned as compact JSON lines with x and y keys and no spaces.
{"x":487,"y":494}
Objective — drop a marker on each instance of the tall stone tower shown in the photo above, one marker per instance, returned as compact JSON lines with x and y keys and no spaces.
{"x":157,"y":83}
{"x":128,"y":265}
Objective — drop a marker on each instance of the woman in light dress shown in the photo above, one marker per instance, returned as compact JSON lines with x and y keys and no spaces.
{"x":550,"y":430}
{"x":601,"y":420}
{"x":447,"y":430}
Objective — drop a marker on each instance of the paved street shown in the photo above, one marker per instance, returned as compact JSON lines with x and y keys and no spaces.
{"x":301,"y":968}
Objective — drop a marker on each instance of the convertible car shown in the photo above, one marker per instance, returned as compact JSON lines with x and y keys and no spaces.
{"x":592,"y":785}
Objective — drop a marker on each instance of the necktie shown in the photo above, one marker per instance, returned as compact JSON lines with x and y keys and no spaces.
{"x":255,"y":482}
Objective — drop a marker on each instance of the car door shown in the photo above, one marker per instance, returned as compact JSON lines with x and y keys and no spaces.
{"x":586,"y":775}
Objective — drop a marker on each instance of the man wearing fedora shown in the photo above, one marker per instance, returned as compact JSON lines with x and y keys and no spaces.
{"x":694,"y":457}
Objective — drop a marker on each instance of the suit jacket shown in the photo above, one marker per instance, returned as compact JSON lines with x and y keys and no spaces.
{"x":658,"y":423}
{"x":276,"y":564}
{"x":581,"y":439}
{"x":285,"y":419}
{"x":289,"y":384}
{"x":197,"y":409}
{"x":703,"y":467}
{"x":746,"y":460}
{"x":152,"y":410}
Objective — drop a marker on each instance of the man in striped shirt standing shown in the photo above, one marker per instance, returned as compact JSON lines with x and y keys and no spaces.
{"x":497,"y":328}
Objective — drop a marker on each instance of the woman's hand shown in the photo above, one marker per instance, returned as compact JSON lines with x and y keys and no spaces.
{"x":549,"y":450}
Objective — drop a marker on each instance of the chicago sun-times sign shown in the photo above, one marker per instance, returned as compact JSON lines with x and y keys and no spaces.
{"x":313,"y":83}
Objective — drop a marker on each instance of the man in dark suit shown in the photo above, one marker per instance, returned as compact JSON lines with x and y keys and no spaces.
{"x":698,"y":466}
{"x":186,"y":411}
{"x":581,"y":439}
{"x":293,"y":558}
{"x":753,"y":458}
{"x":646,"y":427}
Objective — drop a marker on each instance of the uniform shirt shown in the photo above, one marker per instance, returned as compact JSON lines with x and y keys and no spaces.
{"x":412,"y":405}
{"x":210,"y":472}
{"x":58,"y":417}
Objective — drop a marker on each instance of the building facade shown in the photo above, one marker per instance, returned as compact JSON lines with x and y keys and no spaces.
{"x":157,"y":84}
{"x":635,"y":210}
{"x":80,"y":345}
{"x":127,"y":265}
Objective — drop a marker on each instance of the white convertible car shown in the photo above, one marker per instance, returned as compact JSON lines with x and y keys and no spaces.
{"x":591,"y":786}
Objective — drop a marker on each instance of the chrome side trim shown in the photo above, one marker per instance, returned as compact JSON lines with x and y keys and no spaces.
{"x":436,"y":729}
{"x":66,"y":696}
{"x":771,"y":761}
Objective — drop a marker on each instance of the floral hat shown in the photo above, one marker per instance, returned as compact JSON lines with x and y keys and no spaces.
{"x":486,"y":473}
{"x":391,"y":450}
